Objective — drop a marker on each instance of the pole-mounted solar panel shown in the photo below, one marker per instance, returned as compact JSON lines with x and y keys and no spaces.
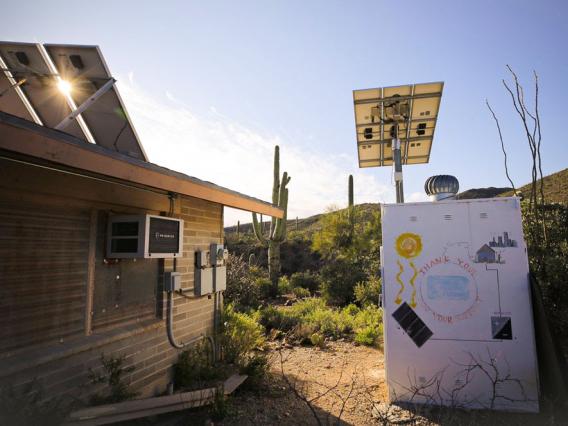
{"x":395,"y":126}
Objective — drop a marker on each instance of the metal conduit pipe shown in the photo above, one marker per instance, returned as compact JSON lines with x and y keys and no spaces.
{"x":170,"y":329}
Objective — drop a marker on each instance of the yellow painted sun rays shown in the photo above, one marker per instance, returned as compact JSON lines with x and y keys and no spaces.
{"x":409,"y":246}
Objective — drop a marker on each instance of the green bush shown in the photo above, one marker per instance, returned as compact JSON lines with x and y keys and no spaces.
{"x":241,"y":334}
{"x":548,"y":259}
{"x":284,"y":286}
{"x":312,"y":316}
{"x":339,"y":279}
{"x":368,"y":292}
{"x":301,"y":292}
{"x":317,"y":339}
{"x":194,"y":367}
{"x":264,"y":286}
{"x":305,"y":280}
{"x":242,"y":291}
{"x":279,"y":319}
{"x":368,"y":326}
{"x":367,"y":335}
{"x":256,"y":368}
{"x":113,"y":376}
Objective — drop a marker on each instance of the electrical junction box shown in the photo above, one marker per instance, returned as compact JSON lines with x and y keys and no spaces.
{"x":219,"y":254}
{"x":144,"y":236}
{"x":172,"y":281}
{"x":220,"y":278}
{"x":203,"y":284}
{"x":458,"y":323}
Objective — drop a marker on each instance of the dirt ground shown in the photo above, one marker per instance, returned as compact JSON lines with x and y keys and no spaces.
{"x":340,"y":381}
{"x":345,"y":385}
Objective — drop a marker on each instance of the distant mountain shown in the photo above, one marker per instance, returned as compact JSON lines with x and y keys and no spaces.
{"x":555,"y":191}
{"x":555,"y":188}
{"x":482,"y":193}
{"x":307,"y":226}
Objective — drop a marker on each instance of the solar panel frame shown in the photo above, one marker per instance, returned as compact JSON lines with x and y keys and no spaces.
{"x":40,"y":90}
{"x":364,"y":100}
{"x":104,"y":117}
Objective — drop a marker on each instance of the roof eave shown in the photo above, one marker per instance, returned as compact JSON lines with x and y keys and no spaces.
{"x":33,"y":141}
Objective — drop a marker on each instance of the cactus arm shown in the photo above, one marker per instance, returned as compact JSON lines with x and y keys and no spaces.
{"x":285,"y":218}
{"x":350,"y":190}
{"x":279,"y":233}
{"x":275,"y":188}
{"x":257,"y":229}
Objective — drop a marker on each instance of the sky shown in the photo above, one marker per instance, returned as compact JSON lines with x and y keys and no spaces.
{"x":213,"y":86}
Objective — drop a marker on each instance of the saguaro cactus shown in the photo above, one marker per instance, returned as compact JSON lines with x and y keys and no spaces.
{"x":351,"y":208}
{"x":277,"y":231}
{"x":350,"y":189}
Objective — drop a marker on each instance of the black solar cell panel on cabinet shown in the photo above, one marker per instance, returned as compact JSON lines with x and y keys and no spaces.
{"x":411,"y":323}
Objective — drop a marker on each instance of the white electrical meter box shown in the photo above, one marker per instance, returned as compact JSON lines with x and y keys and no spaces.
{"x":219,"y":256}
{"x":458,"y":322}
{"x":144,"y":236}
{"x":203,"y":273}
{"x":220,"y":278}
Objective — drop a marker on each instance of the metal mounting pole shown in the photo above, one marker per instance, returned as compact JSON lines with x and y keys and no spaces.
{"x":397,"y":166}
{"x":67,"y":120}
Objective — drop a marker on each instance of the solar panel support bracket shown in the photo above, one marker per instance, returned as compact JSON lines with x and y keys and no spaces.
{"x":102,"y":90}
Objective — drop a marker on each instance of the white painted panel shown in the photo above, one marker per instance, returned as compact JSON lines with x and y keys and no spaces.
{"x":462,"y":268}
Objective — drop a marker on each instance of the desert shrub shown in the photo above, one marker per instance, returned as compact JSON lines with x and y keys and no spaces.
{"x":368,"y":292}
{"x":264,"y":286}
{"x":367,"y":336}
{"x":338,"y":281}
{"x":220,"y":407}
{"x":307,"y":306}
{"x":307,"y":280}
{"x":256,"y":368}
{"x":194,"y":367}
{"x":368,"y":326}
{"x":113,"y":372}
{"x":242,"y":291}
{"x":548,"y":259}
{"x":301,"y":292}
{"x":312,"y":316}
{"x":318,"y":339}
{"x":303,"y":332}
{"x":241,"y":334}
{"x":284,"y":286}
{"x":351,"y":309}
{"x":297,"y":255}
{"x":279,"y":319}
{"x":28,"y":406}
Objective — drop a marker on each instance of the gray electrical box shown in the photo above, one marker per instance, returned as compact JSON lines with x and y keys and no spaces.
{"x":211,"y":270}
{"x":220,"y":278}
{"x":203,"y":273}
{"x":172,"y":281}
{"x":203,"y":281}
{"x":219,"y":254}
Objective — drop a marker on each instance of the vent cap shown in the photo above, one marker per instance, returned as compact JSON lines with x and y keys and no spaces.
{"x":442,"y":187}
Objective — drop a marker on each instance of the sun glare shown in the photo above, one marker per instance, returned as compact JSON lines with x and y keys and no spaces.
{"x":64,"y":87}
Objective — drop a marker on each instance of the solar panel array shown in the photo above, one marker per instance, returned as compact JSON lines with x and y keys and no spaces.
{"x":29,"y":88}
{"x":414,"y":107}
